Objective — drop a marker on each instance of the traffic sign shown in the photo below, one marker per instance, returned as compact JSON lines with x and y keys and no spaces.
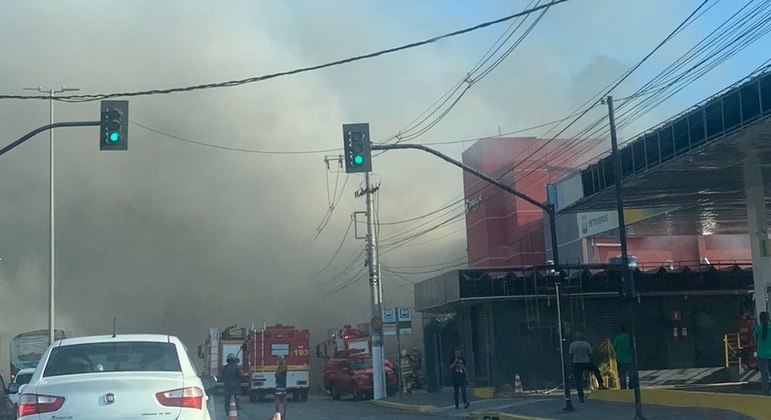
{"x":394,"y":316}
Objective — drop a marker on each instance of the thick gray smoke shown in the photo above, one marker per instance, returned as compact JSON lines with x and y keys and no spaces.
{"x":176,"y":237}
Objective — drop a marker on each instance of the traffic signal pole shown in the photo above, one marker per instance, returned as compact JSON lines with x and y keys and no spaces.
{"x":116,"y":122}
{"x":52,"y":274}
{"x":373,"y":266}
{"x":8,"y":148}
{"x":548,"y":208}
{"x":358,"y":159}
{"x":39,"y":130}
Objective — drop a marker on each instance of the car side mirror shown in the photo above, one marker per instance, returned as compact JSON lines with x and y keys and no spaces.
{"x":13,"y":388}
{"x":209,"y":382}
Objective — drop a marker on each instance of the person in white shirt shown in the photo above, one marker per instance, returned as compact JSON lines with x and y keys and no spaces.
{"x":580,"y":355}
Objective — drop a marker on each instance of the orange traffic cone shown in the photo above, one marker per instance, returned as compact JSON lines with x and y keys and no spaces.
{"x":517,"y":391}
{"x":233,"y":409}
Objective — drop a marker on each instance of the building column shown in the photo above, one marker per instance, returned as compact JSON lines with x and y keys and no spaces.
{"x":758,"y":230}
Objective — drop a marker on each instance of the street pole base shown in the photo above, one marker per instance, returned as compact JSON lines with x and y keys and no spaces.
{"x":568,"y":405}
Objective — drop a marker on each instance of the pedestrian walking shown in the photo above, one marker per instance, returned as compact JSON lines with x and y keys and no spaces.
{"x":231,"y":378}
{"x":763,"y":350}
{"x":280,"y":393}
{"x":458,"y":371}
{"x":580,"y":354}
{"x":622,"y":347}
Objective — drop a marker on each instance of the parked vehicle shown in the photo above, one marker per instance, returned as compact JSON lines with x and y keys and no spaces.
{"x":7,"y":408}
{"x":348,"y":364}
{"x":345,"y":339}
{"x":28,"y":347}
{"x":262,"y":349}
{"x":351,"y":374}
{"x":14,"y":388}
{"x":214,"y":351}
{"x":115,"y":377}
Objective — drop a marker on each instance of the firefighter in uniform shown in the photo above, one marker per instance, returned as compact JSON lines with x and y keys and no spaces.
{"x":231,"y":377}
{"x":280,"y":394}
{"x":406,"y":372}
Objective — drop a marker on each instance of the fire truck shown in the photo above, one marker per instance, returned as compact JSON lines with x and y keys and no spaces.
{"x":214,"y":351}
{"x":345,"y":339}
{"x":261,"y":351}
{"x":347,"y":354}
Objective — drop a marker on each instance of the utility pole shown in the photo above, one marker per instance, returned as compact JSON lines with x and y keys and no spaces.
{"x":627,"y":282}
{"x":373,"y":265}
{"x":358,"y":158}
{"x":52,"y":225}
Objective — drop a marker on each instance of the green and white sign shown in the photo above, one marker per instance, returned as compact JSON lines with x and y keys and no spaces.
{"x":394,"y":316}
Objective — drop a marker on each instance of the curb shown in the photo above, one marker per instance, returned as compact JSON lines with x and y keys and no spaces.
{"x":755,"y":406}
{"x":404,"y":406}
{"x":496,"y":415}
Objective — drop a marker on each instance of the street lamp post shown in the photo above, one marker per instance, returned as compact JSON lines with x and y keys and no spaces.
{"x":52,"y":225}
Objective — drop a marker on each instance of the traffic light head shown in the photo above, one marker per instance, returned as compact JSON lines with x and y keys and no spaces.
{"x":356,"y":142}
{"x":113,"y":130}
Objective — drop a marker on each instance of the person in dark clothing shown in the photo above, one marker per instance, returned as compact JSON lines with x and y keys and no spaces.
{"x":280,"y":393}
{"x":580,"y":354}
{"x":231,"y":378}
{"x":458,"y":371}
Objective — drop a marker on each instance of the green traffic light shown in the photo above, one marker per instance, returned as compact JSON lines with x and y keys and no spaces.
{"x":114,"y":137}
{"x":358,"y":159}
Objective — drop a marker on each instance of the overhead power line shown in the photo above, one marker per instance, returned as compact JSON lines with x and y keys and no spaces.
{"x":234,"y":149}
{"x":425,"y":123}
{"x":744,"y":27}
{"x":528,"y":165}
{"x":233,"y":83}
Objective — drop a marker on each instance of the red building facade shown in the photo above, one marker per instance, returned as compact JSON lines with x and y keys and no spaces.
{"x":502,"y":229}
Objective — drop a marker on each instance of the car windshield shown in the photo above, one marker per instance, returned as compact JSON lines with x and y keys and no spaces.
{"x":23,"y":378}
{"x":112,"y":357}
{"x":361,"y":364}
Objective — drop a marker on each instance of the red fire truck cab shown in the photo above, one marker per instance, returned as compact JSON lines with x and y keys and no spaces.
{"x":348,"y":364}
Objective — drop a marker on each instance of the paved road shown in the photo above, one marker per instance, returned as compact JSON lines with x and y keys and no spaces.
{"x":421,"y":406}
{"x":321,"y":408}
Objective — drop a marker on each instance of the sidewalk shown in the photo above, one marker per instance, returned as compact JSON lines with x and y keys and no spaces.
{"x":605,"y":405}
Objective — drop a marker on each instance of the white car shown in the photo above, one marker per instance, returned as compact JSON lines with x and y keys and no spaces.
{"x":22,"y":378}
{"x":129,"y":376}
